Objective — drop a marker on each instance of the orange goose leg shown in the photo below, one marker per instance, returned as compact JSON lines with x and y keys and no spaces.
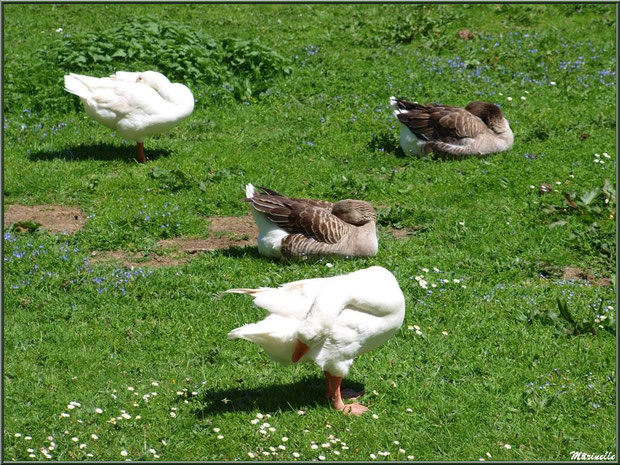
{"x":141,"y":157}
{"x":345,"y":393}
{"x":333,"y":386}
{"x":336,"y":397}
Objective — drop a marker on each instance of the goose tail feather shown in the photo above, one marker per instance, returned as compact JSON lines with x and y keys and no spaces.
{"x":250,"y":190}
{"x":394,"y":105}
{"x":74,"y":85}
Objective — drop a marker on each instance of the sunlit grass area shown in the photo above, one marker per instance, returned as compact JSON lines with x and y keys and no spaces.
{"x":507,"y":263}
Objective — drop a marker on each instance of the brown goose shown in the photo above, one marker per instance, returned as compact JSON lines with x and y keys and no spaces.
{"x":290,"y":227}
{"x":478,"y":129}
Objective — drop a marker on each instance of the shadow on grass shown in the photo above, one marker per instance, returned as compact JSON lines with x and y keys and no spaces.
{"x":386,"y":142}
{"x":105,"y":152}
{"x":235,"y":251}
{"x":251,"y":251}
{"x":303,"y":393}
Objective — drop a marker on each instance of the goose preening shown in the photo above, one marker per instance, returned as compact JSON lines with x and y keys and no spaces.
{"x":136,"y":105}
{"x":478,"y":129}
{"x":290,"y":227}
{"x":328,"y":321}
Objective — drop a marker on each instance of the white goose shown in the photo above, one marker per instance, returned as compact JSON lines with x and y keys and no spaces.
{"x":328,"y":321}
{"x":136,"y":105}
{"x":290,"y":227}
{"x":478,"y":129}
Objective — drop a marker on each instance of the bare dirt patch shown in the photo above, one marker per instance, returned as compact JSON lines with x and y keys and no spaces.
{"x":400,"y":233}
{"x":465,"y":34}
{"x":224,"y":232}
{"x":403,"y":233}
{"x":134,"y":260}
{"x":571,"y":273}
{"x":54,"y":218}
{"x":234,"y":224}
{"x":577,"y":274}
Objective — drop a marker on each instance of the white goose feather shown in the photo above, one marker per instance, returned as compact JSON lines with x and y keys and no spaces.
{"x":338,"y":318}
{"x":134,"y":104}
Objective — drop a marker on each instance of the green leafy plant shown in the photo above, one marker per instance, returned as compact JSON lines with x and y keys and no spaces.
{"x":568,"y":323}
{"x":594,"y":211}
{"x":593,"y":202}
{"x":91,"y":183}
{"x":174,"y":49}
{"x":542,"y":315}
{"x":239,"y":68}
{"x":245,"y":66}
{"x":523,"y":15}
{"x":422,"y":27}
{"x":24,"y":226}
{"x":587,"y":325}
{"x":173,"y":180}
{"x":397,"y":217}
{"x":385,"y":141}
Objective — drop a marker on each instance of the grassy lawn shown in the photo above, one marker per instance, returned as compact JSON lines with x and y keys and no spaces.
{"x":107,"y":361}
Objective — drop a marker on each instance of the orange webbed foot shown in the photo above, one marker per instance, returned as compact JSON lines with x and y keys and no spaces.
{"x":354,"y":409}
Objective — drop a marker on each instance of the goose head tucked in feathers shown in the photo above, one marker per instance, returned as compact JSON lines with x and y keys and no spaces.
{"x":355,"y":212}
{"x":328,"y":321}
{"x":174,"y":93}
{"x":490,"y":114}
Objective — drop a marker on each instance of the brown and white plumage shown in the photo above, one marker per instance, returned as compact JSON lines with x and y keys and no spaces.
{"x":307,"y":227}
{"x":478,"y":129}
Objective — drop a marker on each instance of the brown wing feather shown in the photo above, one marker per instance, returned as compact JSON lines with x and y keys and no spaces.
{"x":461,"y":123}
{"x":264,"y":190}
{"x":305,"y":216}
{"x":322,"y":225}
{"x":317,"y":203}
{"x":302,"y":245}
{"x":440,"y":122}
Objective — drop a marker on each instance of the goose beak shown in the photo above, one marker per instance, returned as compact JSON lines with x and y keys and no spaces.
{"x":300,"y":350}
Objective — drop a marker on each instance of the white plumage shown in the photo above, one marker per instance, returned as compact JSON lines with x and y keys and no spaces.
{"x":136,"y":105}
{"x":336,"y":319}
{"x":270,"y":235}
{"x":409,"y":142}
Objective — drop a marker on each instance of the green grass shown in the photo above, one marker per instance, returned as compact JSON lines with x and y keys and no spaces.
{"x":507,"y":371}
